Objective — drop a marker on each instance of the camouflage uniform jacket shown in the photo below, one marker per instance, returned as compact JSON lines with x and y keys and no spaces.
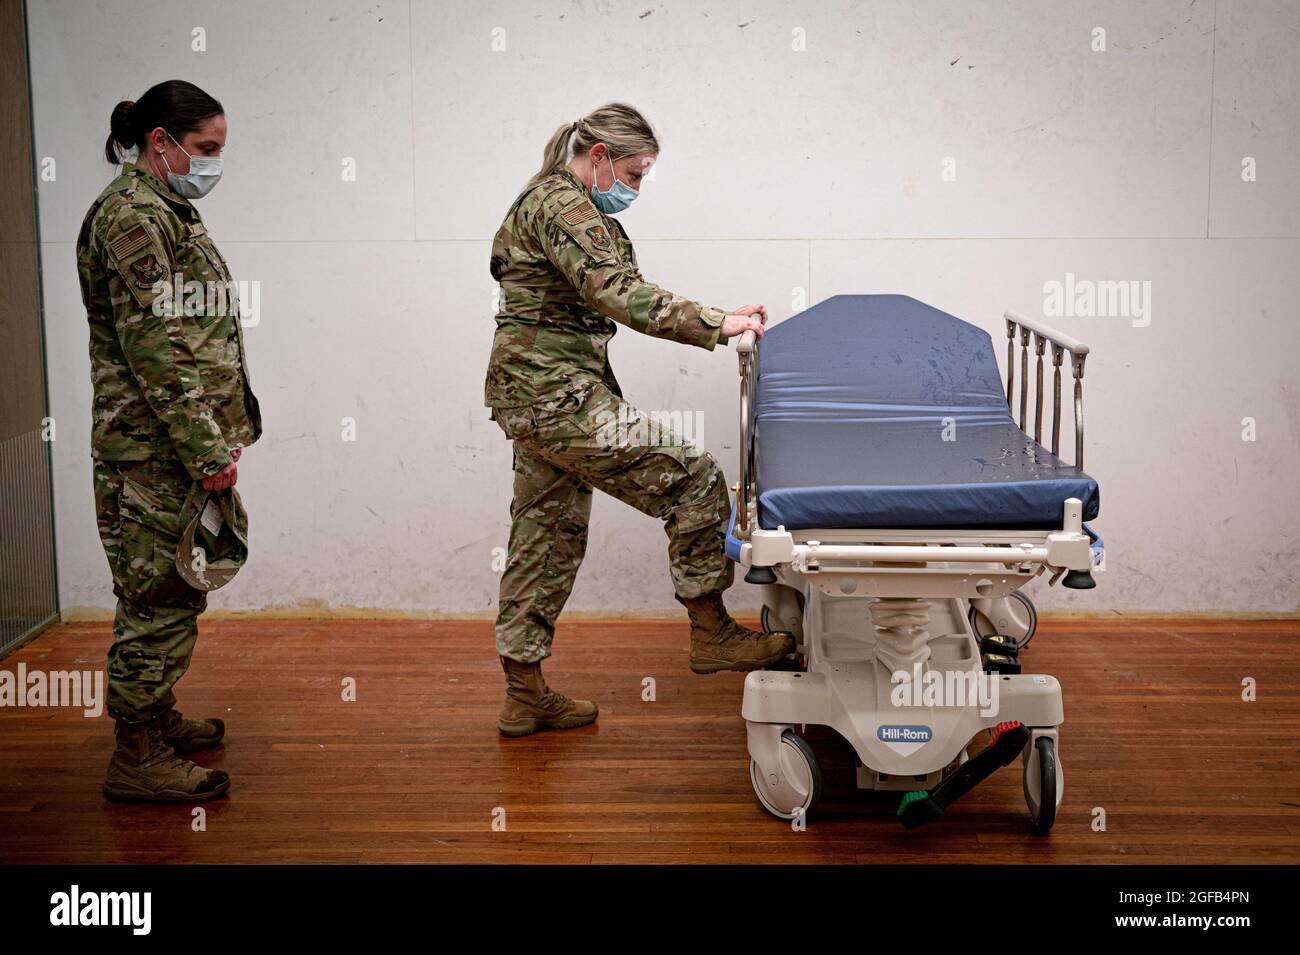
{"x":166,"y":359}
{"x":565,"y":270}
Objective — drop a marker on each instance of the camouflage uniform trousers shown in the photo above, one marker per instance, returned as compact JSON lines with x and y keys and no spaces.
{"x":138,"y":508}
{"x":562,"y":450}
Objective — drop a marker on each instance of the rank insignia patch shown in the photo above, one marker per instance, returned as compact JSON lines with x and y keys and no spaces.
{"x":147,"y":270}
{"x":579,"y":213}
{"x":599,"y":237}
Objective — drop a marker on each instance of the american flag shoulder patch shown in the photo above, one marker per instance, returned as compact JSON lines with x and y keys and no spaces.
{"x":579,"y":212}
{"x":132,"y":241}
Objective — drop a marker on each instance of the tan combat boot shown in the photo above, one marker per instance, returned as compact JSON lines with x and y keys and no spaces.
{"x":531,"y":705}
{"x":188,"y":736}
{"x":144,"y":769}
{"x":719,"y":643}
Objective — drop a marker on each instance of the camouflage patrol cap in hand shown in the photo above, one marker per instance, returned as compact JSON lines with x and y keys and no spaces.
{"x":214,"y":544}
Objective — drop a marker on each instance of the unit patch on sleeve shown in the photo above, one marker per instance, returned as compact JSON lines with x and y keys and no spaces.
{"x":147,"y":270}
{"x":599,"y":237}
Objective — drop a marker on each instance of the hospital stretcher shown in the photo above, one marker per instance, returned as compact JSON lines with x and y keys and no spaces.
{"x":891,"y":508}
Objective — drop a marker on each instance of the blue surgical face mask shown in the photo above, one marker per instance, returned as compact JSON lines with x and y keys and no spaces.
{"x":617,"y":198}
{"x":205,"y":172}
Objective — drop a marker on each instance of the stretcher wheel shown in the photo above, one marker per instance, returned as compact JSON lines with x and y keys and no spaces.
{"x":766,"y":617}
{"x":1032,"y":612}
{"x":1042,"y":784}
{"x":794,"y":662}
{"x":1022,"y":620}
{"x":768,"y":621}
{"x":797,"y":788}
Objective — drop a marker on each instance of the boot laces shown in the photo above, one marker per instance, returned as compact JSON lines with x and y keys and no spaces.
{"x":732,"y":631}
{"x":553,"y":701}
{"x":162,"y":754}
{"x":713,"y":619}
{"x":727,"y":630}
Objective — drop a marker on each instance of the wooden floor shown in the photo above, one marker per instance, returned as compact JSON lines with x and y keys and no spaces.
{"x":1155,"y":734}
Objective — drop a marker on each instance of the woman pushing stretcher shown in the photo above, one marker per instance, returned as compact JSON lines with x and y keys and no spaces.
{"x":568,"y":273}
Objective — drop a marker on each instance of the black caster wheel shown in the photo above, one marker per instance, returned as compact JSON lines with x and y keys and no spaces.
{"x":793,"y":662}
{"x":1025,"y":621}
{"x":796,"y":787}
{"x":1031,"y":612}
{"x":1042,"y":780}
{"x":765,"y":619}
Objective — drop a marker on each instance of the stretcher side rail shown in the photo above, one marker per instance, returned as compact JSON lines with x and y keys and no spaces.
{"x":1019,"y":326}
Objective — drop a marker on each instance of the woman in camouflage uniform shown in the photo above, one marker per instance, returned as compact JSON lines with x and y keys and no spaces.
{"x":568,"y":273}
{"x":172,"y":408}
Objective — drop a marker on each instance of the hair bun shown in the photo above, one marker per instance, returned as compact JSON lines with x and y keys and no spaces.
{"x":120,"y":121}
{"x":175,"y":105}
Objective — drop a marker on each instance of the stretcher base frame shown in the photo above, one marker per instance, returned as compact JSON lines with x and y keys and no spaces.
{"x":846,"y":686}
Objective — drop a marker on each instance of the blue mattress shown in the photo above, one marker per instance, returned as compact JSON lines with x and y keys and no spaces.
{"x":849,"y":417}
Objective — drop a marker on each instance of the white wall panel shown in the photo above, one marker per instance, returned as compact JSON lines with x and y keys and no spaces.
{"x":1256,"y":119}
{"x":844,"y":138}
{"x":305,"y":84}
{"x":787,"y":176}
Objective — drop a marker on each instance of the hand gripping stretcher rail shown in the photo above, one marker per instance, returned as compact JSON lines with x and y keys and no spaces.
{"x":892,"y":509}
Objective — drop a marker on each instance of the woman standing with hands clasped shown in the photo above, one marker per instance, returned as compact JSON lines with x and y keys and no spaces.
{"x":172,"y":411}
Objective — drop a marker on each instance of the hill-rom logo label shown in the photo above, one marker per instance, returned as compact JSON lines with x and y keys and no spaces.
{"x":903,"y":738}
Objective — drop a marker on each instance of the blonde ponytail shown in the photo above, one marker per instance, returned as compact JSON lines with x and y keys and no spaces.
{"x":619,"y":126}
